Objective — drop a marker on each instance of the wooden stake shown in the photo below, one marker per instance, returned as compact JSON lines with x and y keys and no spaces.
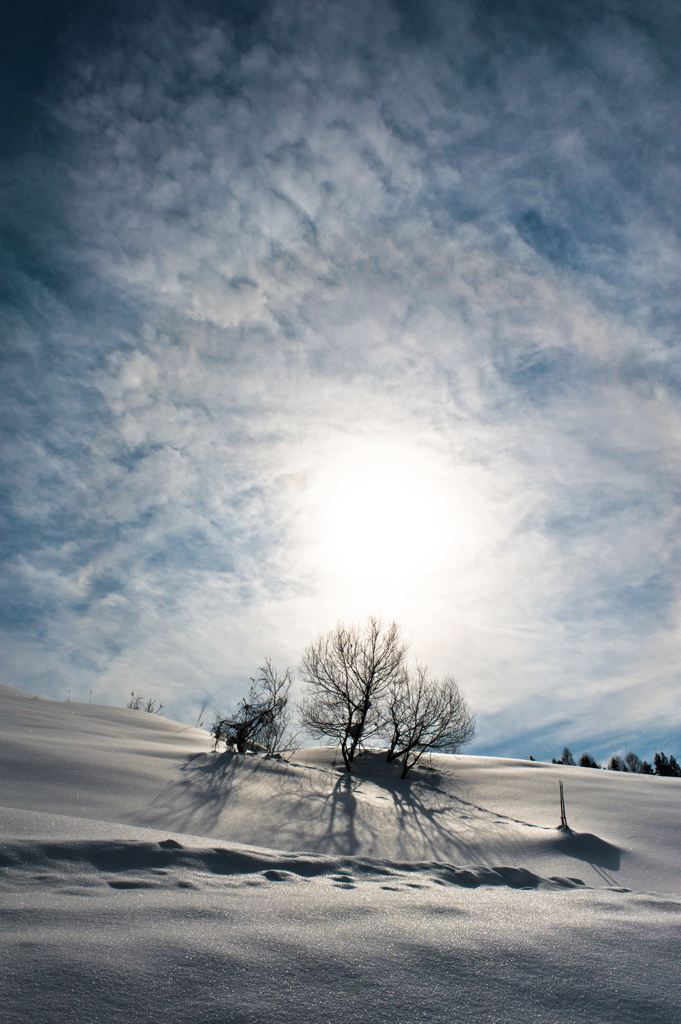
{"x":563,"y":818}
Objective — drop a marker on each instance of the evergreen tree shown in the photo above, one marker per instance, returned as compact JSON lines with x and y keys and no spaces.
{"x":664,"y":765}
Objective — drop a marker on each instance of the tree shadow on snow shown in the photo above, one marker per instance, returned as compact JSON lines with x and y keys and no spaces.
{"x":205,"y":785}
{"x":321,"y":809}
{"x":340,"y":810}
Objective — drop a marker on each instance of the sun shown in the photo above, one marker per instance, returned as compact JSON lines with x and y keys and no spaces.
{"x":381,"y":516}
{"x":383,"y":521}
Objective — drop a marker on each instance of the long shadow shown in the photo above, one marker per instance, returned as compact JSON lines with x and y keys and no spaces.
{"x":433,"y":825}
{"x":421,"y":830}
{"x":205,"y":785}
{"x":599,"y":854}
{"x":416,"y":822}
{"x":436,"y":828}
{"x":589,"y":848}
{"x":340,"y":831}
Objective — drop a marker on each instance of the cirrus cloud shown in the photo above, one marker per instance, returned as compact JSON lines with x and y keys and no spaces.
{"x":262,"y":261}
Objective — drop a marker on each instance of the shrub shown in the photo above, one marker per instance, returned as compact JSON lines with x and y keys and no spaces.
{"x":139,"y":703}
{"x":587,"y":761}
{"x":260,"y":721}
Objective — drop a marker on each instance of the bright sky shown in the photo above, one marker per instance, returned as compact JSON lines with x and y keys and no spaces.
{"x":320,"y":311}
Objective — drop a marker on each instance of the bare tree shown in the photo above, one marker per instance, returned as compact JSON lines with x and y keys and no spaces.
{"x":421,"y":714}
{"x":348,"y":671}
{"x":276,"y":733}
{"x":260,"y":720}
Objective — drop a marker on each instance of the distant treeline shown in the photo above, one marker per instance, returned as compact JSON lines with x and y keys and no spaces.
{"x":631,"y":762}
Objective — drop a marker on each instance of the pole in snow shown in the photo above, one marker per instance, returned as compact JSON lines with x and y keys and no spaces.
{"x":563,"y":819}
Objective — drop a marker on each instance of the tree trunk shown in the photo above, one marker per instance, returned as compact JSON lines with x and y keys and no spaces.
{"x":406,"y":765}
{"x":358,"y":730}
{"x":344,"y":752}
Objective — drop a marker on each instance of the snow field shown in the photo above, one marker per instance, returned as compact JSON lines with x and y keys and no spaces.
{"x":145,"y":878}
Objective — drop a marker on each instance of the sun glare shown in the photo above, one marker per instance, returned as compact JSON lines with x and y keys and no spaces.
{"x":384,"y":520}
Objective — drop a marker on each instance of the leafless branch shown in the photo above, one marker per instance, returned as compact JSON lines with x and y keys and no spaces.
{"x":348,"y":672}
{"x":420,"y":714}
{"x":261,"y":720}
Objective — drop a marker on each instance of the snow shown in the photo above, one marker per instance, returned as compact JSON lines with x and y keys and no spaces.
{"x":145,"y":878}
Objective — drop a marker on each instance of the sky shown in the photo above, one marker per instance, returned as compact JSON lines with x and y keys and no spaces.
{"x":319,"y":310}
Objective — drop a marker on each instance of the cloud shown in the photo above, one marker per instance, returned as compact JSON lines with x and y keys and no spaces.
{"x":259,"y":261}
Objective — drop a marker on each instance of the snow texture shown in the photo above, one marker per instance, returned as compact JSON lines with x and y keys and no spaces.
{"x":145,"y":878}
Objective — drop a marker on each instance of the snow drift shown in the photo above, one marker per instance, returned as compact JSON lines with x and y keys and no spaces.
{"x":144,"y":877}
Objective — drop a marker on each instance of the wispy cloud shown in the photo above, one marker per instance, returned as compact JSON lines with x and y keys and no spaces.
{"x":263,"y":262}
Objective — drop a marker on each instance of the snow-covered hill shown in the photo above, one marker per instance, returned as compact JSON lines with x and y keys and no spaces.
{"x":147,"y":878}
